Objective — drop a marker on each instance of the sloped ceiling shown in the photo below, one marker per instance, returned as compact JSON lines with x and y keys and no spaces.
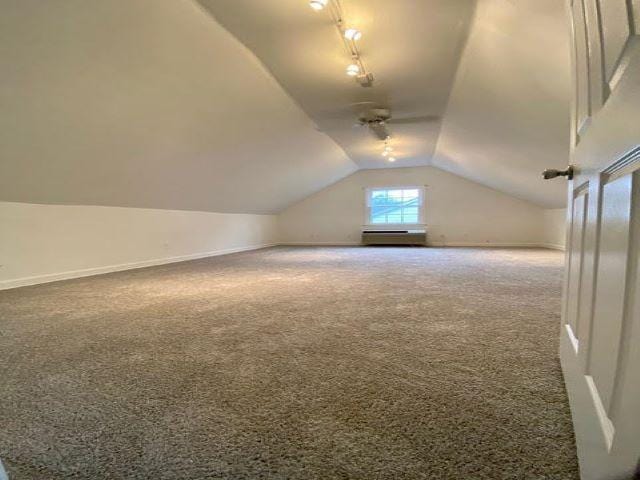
{"x":154,"y":104}
{"x":150,"y":104}
{"x":502,"y":100}
{"x":508,"y":115}
{"x":411,"y":46}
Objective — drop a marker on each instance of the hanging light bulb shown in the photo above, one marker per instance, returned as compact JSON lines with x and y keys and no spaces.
{"x":388,"y":149}
{"x":353,"y":70}
{"x":352,"y":34}
{"x":318,"y":5}
{"x":391,"y":159}
{"x":385,"y":154}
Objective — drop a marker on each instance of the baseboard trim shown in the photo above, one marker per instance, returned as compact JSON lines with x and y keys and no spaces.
{"x":55,"y":277}
{"x":495,"y":245}
{"x":432,"y":244}
{"x":553,"y":246}
{"x":321,"y":244}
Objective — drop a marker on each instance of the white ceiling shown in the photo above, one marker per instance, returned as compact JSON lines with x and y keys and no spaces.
{"x":148,"y":104}
{"x":153,"y":104}
{"x":508,"y":115}
{"x":501,"y":91}
{"x":411,"y":46}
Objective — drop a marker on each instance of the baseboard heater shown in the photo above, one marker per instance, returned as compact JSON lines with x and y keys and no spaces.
{"x":394,"y":237}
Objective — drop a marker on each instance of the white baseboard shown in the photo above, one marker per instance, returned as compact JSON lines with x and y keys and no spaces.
{"x":495,"y":245}
{"x":432,"y":244}
{"x":320,"y":244}
{"x":553,"y":246}
{"x":54,"y":277}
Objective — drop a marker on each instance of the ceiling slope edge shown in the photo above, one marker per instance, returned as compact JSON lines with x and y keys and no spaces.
{"x":171,"y":112}
{"x":504,"y":125}
{"x":272,"y":78}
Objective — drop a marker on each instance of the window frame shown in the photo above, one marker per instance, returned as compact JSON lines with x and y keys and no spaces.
{"x":367,"y":206}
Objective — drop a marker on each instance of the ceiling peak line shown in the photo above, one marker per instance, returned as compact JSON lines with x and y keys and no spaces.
{"x":349,"y":37}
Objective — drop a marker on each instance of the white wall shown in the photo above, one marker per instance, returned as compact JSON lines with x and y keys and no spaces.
{"x":555,"y":229}
{"x":41,"y":243}
{"x":458,"y":211}
{"x":148,"y":104}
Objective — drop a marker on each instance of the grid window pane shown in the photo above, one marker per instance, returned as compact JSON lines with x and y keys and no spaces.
{"x":410,"y":211}
{"x":412,"y":193}
{"x":394,"y":206}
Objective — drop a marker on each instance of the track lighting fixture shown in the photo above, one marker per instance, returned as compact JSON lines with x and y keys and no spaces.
{"x":353,"y":70}
{"x":349,"y":37}
{"x":318,"y":5}
{"x":352,"y":34}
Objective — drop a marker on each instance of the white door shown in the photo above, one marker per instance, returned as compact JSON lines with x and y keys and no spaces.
{"x":600,"y":334}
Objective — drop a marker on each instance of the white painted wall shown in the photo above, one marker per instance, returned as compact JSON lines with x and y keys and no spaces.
{"x":41,"y":243}
{"x":148,"y":104}
{"x":555,"y":230}
{"x":457,"y":211}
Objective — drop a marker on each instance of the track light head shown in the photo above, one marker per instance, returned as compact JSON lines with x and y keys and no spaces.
{"x":318,"y":5}
{"x":352,"y":34}
{"x":353,"y":70}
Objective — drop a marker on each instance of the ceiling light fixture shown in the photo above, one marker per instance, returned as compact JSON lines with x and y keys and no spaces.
{"x":349,"y":37}
{"x":391,"y":159}
{"x":353,"y":70}
{"x":318,"y":5}
{"x":352,"y":34}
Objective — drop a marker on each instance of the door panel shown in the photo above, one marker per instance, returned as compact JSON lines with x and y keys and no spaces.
{"x":610,"y":290}
{"x":615,"y":32}
{"x":576,"y":253}
{"x":582,"y":104}
{"x":600,"y":335}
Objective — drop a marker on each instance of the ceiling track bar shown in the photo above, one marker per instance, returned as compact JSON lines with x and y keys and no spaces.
{"x":364,"y":78}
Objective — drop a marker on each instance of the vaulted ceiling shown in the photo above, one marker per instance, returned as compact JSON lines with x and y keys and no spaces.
{"x":493,"y":75}
{"x":141,"y":103}
{"x":508,"y":114}
{"x":411,"y":47}
{"x":160,"y":105}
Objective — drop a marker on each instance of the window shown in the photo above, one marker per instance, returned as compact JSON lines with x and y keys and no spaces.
{"x":394,"y":206}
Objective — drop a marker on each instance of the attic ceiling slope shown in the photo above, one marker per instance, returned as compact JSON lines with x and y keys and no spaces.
{"x":148,"y":104}
{"x":508,"y":115}
{"x":411,"y":47}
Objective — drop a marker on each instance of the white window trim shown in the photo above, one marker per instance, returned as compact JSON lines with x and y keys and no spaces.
{"x":381,"y":226}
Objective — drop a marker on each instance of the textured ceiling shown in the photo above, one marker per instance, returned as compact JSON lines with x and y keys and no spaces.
{"x":411,"y":46}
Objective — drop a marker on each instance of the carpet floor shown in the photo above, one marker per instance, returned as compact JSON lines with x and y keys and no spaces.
{"x":291,"y":363}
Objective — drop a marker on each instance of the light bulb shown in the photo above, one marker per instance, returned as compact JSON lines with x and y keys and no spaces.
{"x":385,"y":154}
{"x":318,"y":5}
{"x":353,"y":70}
{"x":388,"y":149}
{"x":352,"y":34}
{"x":391,"y":159}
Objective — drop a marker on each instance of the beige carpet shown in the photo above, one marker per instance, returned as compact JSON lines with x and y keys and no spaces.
{"x":291,"y":363}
